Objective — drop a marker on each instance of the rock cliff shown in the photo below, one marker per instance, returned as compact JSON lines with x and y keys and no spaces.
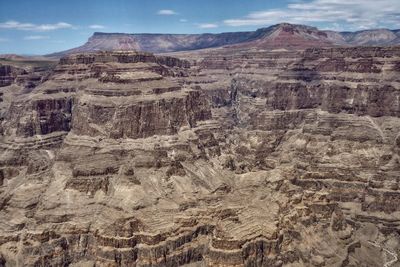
{"x":225,"y":157}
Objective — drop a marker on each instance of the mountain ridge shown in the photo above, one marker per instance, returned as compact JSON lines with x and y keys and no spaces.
{"x":283,"y":35}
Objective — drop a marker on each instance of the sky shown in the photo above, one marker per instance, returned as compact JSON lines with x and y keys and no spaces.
{"x":45,"y":26}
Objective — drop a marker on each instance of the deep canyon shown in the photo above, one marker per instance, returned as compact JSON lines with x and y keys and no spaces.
{"x":227,"y":156}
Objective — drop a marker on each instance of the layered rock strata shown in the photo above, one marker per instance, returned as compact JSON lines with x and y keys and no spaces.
{"x":8,"y":74}
{"x":226,"y":157}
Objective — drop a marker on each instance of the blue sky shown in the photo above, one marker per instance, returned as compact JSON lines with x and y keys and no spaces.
{"x":45,"y":26}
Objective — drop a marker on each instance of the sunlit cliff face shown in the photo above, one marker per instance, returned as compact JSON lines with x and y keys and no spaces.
{"x":217,"y":157}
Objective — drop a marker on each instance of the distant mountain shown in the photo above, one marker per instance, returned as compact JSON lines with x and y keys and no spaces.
{"x":12,"y":57}
{"x":284,"y":35}
{"x":371,"y":37}
{"x":288,"y":36}
{"x":158,"y":43}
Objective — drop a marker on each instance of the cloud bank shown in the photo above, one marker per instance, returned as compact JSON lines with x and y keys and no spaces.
{"x":15,"y":25}
{"x":354,"y":14}
{"x":36,"y":37}
{"x":166,"y":12}
{"x":96,"y":26}
{"x":207,"y":25}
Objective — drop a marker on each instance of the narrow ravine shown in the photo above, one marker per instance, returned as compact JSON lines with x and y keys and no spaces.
{"x":391,"y":253}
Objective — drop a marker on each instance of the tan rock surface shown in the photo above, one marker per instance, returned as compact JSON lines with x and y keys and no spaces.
{"x":225,"y":157}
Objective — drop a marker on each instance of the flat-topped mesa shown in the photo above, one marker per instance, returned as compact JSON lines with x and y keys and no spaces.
{"x":123,"y":57}
{"x":112,"y":94}
{"x":119,"y":67}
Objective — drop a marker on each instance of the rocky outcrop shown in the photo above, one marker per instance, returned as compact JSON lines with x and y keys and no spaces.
{"x":40,"y":116}
{"x":238,"y":158}
{"x":8,"y":74}
{"x":141,"y":119}
{"x":123,"y":57}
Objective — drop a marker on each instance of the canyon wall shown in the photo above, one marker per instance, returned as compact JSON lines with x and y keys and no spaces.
{"x":225,"y":157}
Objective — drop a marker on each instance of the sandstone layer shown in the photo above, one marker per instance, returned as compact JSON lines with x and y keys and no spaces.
{"x":223,"y":157}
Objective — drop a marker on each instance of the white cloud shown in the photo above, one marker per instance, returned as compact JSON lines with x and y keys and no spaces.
{"x":36,"y":37}
{"x":183,"y":20}
{"x":334,"y":27}
{"x":50,"y":27}
{"x":166,"y":12}
{"x":207,"y":25}
{"x":15,"y":25}
{"x":355,"y":14}
{"x":96,"y":26}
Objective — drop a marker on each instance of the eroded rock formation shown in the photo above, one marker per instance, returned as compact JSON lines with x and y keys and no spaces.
{"x":226,"y":157}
